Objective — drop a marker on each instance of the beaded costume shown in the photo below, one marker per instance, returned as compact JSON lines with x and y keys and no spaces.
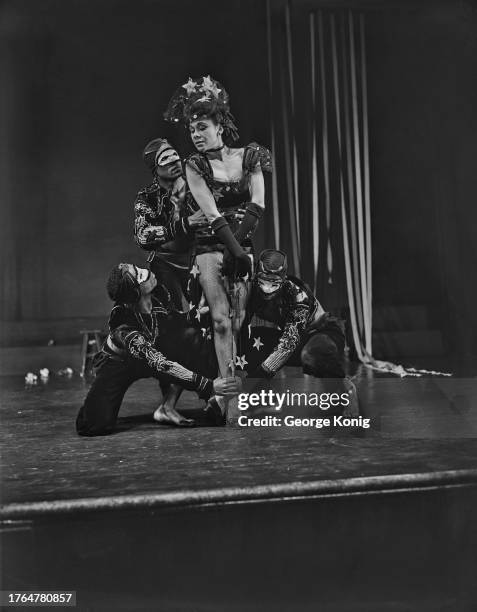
{"x":160,"y":224}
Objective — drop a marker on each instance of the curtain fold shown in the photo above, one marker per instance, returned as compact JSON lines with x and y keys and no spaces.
{"x":320,"y":134}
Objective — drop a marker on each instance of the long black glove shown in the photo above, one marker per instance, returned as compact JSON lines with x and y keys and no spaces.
{"x":250,"y":220}
{"x":243,"y":265}
{"x":253,"y":214}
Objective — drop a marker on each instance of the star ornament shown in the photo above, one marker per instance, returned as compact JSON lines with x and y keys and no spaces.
{"x":217,"y":193}
{"x":190,"y":86}
{"x":257,"y":343}
{"x":240,"y":362}
{"x":209,"y":85}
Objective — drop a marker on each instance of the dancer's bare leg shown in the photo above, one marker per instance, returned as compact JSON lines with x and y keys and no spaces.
{"x":241,"y":290}
{"x":215,"y":292}
{"x":238,"y":292}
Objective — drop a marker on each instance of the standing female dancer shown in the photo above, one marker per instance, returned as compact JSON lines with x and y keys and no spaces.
{"x":223,"y":181}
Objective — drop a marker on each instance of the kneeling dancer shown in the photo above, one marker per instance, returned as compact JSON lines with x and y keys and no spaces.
{"x":304,"y":335}
{"x":137,"y":324}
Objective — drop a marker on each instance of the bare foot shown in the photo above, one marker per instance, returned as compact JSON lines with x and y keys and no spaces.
{"x":166,"y":415}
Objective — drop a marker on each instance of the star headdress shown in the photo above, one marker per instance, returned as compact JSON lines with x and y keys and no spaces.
{"x":190,"y":86}
{"x":208,"y":84}
{"x":202,"y":97}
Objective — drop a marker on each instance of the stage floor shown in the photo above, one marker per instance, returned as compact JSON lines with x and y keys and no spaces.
{"x":423,"y":433}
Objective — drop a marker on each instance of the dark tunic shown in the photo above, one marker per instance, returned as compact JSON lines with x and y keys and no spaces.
{"x":160,"y":345}
{"x":296,"y":315}
{"x":163,"y":339}
{"x":159,"y":222}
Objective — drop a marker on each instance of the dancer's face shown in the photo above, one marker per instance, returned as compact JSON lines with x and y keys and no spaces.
{"x":269,"y":288}
{"x":205,"y":134}
{"x":168,"y":164}
{"x":146,"y":279}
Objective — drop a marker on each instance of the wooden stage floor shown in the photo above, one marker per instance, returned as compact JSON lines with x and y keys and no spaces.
{"x":423,"y":433}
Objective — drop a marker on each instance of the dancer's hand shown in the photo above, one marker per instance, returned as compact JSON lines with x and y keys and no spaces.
{"x":236,"y":267}
{"x":228,"y":264}
{"x":197,"y":219}
{"x":243,"y":265}
{"x":239,"y":214}
{"x":227,"y":386}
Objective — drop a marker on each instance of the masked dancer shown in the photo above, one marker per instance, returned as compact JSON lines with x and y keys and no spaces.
{"x":164,"y":228}
{"x":162,"y":225}
{"x":303,"y":335}
{"x":146,"y":339}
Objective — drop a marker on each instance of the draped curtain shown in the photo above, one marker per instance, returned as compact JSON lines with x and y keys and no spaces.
{"x":319,"y":127}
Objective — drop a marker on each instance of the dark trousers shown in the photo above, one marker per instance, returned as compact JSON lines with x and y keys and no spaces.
{"x":320,"y":356}
{"x":173,"y":279}
{"x":98,"y":415}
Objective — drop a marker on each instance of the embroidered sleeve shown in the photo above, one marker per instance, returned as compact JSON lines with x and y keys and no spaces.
{"x":140,"y":348}
{"x":297,"y":305}
{"x":153,"y":228}
{"x":290,"y":339}
{"x":256,"y":156}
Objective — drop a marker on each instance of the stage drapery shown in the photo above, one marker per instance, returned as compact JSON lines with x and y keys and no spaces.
{"x":317,"y":62}
{"x":319,"y":126}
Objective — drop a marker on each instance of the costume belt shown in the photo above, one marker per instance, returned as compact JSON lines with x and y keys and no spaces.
{"x":112,"y":347}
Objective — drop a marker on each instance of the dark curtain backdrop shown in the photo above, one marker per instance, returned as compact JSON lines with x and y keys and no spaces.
{"x":83,"y":88}
{"x":421,"y":96}
{"x":423,"y":104}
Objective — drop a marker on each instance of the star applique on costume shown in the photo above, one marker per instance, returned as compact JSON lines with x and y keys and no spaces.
{"x":194,"y":271}
{"x":190,"y":86}
{"x":257,"y":343}
{"x":240,"y":362}
{"x":217,"y":193}
{"x":209,"y":85}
